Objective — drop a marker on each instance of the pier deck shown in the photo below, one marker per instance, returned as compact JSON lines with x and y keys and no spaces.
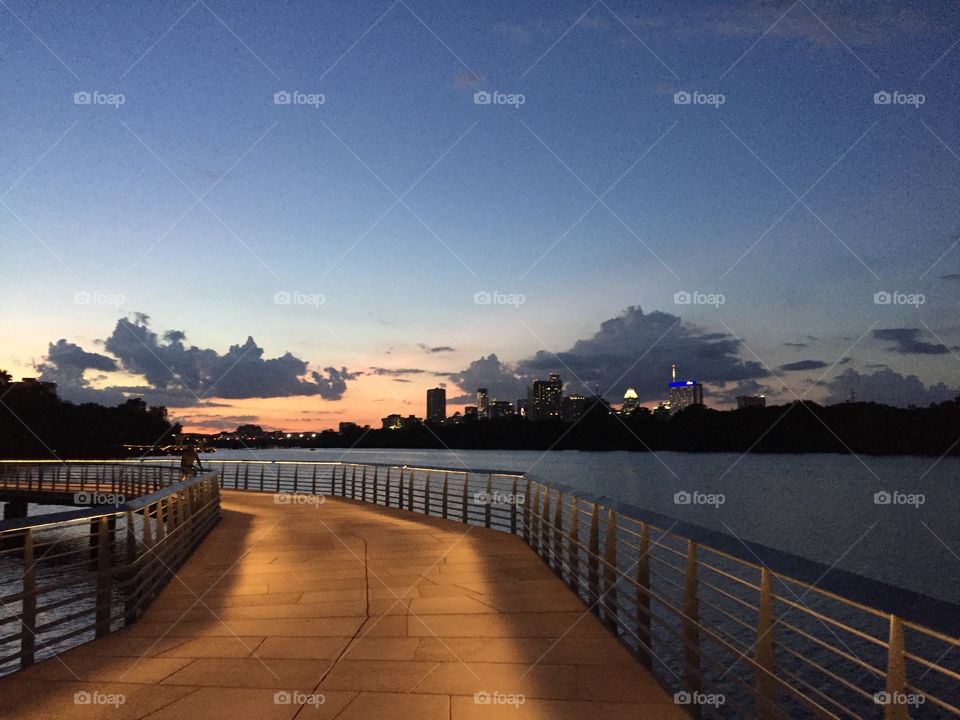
{"x":354,"y":612}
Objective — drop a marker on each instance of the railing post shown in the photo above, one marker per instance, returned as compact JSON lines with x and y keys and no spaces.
{"x":896,"y":684}
{"x":376,"y":485}
{"x":573,"y":545}
{"x":296,"y":474}
{"x":426,"y":494}
{"x":278,"y":478}
{"x":313,"y":481}
{"x":263,"y":471}
{"x":691,"y":631}
{"x":28,"y":613}
{"x":488,"y":509}
{"x":534,"y":540}
{"x":103,"y":579}
{"x":558,"y":534}
{"x":466,"y":498}
{"x":764,"y":656}
{"x":129,"y":591}
{"x":246,"y":476}
{"x":513,"y":509}
{"x":610,"y":574}
{"x":410,"y":492}
{"x":363,"y":485}
{"x":593,"y":556}
{"x":446,"y":489}
{"x":644,"y":635}
{"x":527,"y":499}
{"x":353,"y":483}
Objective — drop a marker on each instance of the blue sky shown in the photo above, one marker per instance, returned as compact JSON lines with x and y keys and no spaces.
{"x":398,"y":198}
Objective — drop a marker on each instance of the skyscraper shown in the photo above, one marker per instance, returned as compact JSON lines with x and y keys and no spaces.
{"x":483,"y":404}
{"x":684,"y":393}
{"x":545,"y":398}
{"x":744,"y":401}
{"x":630,"y":402}
{"x":436,"y":405}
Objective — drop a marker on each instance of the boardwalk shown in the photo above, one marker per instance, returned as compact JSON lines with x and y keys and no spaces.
{"x":353,"y":612}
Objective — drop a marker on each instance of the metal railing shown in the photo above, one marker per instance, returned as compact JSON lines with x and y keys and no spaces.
{"x":712,"y":626}
{"x":116,"y":478}
{"x":70,"y":577}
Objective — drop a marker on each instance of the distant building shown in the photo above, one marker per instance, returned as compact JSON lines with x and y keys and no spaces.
{"x":470,"y":411}
{"x":545,"y":398}
{"x":574,"y":406}
{"x":630,"y":402}
{"x":393,"y":422}
{"x":483,"y":404}
{"x":436,"y":405}
{"x":684,"y":393}
{"x":348,"y":427}
{"x":745,"y":401}
{"x":501,"y":409}
{"x":522,"y":407}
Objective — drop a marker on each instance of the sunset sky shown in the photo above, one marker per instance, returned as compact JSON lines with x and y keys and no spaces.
{"x":161,"y":202}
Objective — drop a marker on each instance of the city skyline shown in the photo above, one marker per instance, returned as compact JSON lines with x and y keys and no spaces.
{"x":542,"y":178}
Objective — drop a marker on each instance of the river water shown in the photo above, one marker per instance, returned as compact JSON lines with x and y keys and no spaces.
{"x":820,"y":507}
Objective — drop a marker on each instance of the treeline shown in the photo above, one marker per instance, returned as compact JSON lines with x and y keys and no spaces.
{"x":35,"y":423}
{"x":800,"y":427}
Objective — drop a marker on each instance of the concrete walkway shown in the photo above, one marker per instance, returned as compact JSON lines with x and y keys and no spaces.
{"x":355,"y":612}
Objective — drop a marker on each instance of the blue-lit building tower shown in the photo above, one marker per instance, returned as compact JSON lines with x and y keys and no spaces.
{"x":684,"y":393}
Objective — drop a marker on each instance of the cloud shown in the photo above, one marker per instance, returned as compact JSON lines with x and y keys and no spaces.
{"x":888,"y":387}
{"x":181,"y":375}
{"x":795,"y":345}
{"x":906,"y":342}
{"x":437,"y":349}
{"x":803,"y":365}
{"x":467,"y":79}
{"x":632,"y":350}
{"x":950,"y":276}
{"x":396,"y":371}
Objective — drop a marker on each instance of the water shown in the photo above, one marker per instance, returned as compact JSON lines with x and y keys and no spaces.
{"x":818,"y":507}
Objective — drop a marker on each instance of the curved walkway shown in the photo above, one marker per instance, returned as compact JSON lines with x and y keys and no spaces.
{"x":355,"y":612}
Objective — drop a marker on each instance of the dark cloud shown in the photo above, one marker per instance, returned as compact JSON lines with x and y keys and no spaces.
{"x":950,"y":276}
{"x":795,"y":345}
{"x":803,"y":365}
{"x":438,"y":349}
{"x":396,"y":371}
{"x":888,"y":387}
{"x":180,"y":375}
{"x":906,"y":342}
{"x":633,"y":350}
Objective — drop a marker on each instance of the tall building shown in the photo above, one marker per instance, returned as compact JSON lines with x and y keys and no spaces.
{"x":501,"y":409}
{"x":573,"y":406}
{"x":684,"y":393}
{"x":545,"y":398}
{"x":744,"y":401}
{"x":436,"y":405}
{"x":483,"y":404}
{"x":630,"y":402}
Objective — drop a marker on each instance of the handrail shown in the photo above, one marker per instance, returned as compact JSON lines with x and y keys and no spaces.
{"x":96,"y":579}
{"x":766,"y":640}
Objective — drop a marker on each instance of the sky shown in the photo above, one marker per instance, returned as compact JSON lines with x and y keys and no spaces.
{"x":300,"y":213}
